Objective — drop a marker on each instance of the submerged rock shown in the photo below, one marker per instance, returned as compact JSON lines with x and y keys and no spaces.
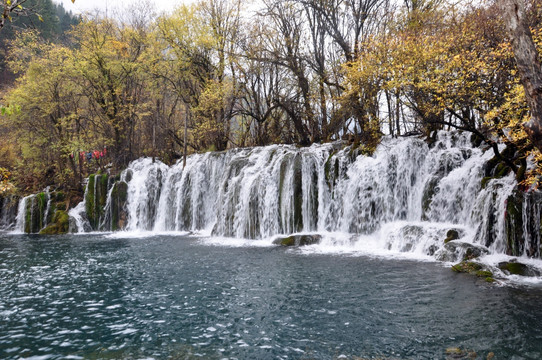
{"x":298,"y":240}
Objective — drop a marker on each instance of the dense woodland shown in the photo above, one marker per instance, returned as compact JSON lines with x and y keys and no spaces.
{"x":221,"y":74}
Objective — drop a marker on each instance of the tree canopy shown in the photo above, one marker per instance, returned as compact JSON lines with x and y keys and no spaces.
{"x":212,"y":76}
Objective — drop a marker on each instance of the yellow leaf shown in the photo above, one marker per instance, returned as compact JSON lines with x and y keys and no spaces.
{"x":40,"y":18}
{"x":8,"y":2}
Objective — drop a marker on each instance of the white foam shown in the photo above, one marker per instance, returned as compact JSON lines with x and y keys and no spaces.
{"x":137,"y":234}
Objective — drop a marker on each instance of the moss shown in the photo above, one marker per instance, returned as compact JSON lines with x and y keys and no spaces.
{"x":90,"y":201}
{"x":60,"y":224}
{"x":59,"y":196}
{"x":100,"y":198}
{"x":298,"y":240}
{"x":514,"y":268}
{"x":60,"y":206}
{"x":490,"y":166}
{"x":473,"y":268}
{"x":288,"y":241}
{"x":96,"y":198}
{"x":103,"y":189}
{"x":484,"y":273}
{"x":28,"y":216}
{"x":485,"y":181}
{"x":501,"y":170}
{"x":467,"y":267}
{"x":41,"y":199}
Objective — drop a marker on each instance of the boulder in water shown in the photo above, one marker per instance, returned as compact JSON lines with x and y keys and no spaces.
{"x":474,"y":268}
{"x":298,"y":240}
{"x":513,"y":267}
{"x":457,"y":250}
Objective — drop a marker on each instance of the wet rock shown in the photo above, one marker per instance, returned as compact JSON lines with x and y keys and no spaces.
{"x":451,"y":235}
{"x":119,"y":215}
{"x":8,"y":211}
{"x":457,"y":250}
{"x":513,"y":267}
{"x":469,"y":267}
{"x":298,"y":240}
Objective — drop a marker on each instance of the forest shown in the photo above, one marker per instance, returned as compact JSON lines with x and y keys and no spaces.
{"x":80,"y":95}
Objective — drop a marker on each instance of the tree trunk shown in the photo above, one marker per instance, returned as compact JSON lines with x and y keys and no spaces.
{"x":528,"y":62}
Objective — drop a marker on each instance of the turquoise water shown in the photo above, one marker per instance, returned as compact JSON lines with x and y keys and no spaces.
{"x":161,"y":297}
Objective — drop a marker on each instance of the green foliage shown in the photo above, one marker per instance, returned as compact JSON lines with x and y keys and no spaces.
{"x":6,"y":186}
{"x":203,"y":78}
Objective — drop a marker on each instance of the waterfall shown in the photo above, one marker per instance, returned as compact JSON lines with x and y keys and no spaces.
{"x":407,"y":194}
{"x":34,"y":212}
{"x":78,"y":220}
{"x":8,"y":212}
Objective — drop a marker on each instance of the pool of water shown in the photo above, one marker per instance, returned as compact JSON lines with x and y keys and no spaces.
{"x":177,"y":297}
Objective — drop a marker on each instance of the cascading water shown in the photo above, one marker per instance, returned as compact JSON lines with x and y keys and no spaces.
{"x":34,"y":212}
{"x":408,"y":194}
{"x":8,"y":212}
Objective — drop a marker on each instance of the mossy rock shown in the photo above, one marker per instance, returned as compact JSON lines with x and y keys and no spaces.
{"x":484,"y":273}
{"x":474,"y":268}
{"x":60,"y":224}
{"x":452,"y":234}
{"x":490,"y":166}
{"x":520,"y":175}
{"x":60,"y":206}
{"x":90,"y":201}
{"x":298,"y":240}
{"x":515,"y":268}
{"x":468,"y":267}
{"x":58,"y":196}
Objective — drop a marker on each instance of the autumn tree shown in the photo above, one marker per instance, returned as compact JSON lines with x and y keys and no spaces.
{"x":528,"y":63}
